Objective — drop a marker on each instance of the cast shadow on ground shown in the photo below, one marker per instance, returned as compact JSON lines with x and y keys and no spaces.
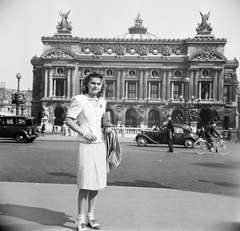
{"x":37,"y":215}
{"x":139,"y":183}
{"x":229,"y":165}
{"x":225,"y":184}
{"x":64,"y":174}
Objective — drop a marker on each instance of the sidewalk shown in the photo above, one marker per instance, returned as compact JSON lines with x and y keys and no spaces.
{"x":53,"y":207}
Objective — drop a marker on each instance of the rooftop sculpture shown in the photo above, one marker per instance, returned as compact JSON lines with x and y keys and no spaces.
{"x":64,"y":26}
{"x":204,"y":27}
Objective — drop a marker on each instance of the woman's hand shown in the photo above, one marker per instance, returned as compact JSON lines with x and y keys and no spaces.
{"x":90,"y":136}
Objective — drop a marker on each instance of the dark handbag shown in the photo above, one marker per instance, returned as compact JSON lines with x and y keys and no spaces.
{"x":106,"y":119}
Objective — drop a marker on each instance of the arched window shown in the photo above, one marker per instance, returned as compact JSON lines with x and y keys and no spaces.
{"x":131,"y":118}
{"x":153,"y":118}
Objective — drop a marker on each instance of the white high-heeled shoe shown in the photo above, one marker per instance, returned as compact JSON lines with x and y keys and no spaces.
{"x":81,"y":226}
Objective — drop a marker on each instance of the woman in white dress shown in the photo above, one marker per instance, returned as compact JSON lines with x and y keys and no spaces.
{"x":88,"y":109}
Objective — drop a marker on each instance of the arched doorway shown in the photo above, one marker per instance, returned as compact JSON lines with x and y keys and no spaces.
{"x":59,"y":116}
{"x":205,"y":117}
{"x":153,"y":118}
{"x":177,"y":117}
{"x":131,"y":118}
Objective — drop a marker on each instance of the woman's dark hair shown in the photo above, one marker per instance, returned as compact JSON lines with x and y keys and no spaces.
{"x":95,"y":74}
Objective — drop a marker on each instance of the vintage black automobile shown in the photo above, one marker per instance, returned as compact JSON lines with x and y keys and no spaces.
{"x":183,"y":135}
{"x":21,"y":128}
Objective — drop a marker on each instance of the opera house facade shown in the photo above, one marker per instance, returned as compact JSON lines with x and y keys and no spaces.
{"x":147,"y":76}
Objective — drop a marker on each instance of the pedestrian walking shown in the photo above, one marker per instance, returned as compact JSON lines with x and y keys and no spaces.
{"x":229,"y":134}
{"x":43,"y":129}
{"x":88,"y":109}
{"x":238,"y":135}
{"x":201,"y":133}
{"x":170,"y":133}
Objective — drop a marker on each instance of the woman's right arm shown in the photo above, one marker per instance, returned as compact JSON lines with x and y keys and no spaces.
{"x":71,"y":123}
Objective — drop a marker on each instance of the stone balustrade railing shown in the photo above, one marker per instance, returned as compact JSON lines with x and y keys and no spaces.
{"x":122,"y":132}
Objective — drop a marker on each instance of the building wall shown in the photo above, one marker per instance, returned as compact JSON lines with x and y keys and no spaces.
{"x":145,"y":79}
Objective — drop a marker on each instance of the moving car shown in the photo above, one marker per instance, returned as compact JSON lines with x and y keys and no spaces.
{"x":183,"y":135}
{"x":21,"y":128}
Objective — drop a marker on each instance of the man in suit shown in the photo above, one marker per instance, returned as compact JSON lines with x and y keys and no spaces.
{"x":170,"y":133}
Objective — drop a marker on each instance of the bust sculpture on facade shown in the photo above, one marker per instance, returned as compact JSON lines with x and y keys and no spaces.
{"x":64,"y":26}
{"x":204,"y":27}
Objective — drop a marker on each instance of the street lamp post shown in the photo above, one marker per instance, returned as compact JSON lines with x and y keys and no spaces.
{"x":19,"y":76}
{"x":187,"y":80}
{"x":18,"y":98}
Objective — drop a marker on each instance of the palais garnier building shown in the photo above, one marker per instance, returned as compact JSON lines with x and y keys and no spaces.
{"x":147,"y":76}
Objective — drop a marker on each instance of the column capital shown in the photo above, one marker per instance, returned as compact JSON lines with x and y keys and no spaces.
{"x":194,"y":68}
{"x":218,"y":68}
{"x":70,"y":67}
{"x":47,"y":66}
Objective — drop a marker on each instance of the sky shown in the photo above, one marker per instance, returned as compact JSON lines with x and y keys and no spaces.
{"x":24,"y":22}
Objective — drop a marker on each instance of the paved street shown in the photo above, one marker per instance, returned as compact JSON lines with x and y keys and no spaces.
{"x":151,"y":167}
{"x":180,"y":191}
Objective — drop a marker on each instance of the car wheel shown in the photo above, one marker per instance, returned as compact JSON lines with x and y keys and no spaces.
{"x":141,"y":141}
{"x":21,"y":137}
{"x":188,"y":143}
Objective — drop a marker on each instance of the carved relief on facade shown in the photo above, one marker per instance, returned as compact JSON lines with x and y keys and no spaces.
{"x":143,"y":51}
{"x":167,"y":51}
{"x":121,"y":50}
{"x":98,"y":50}
{"x":58,"y":54}
{"x":206,"y":56}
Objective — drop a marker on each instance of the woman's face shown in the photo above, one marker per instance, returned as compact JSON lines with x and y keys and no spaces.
{"x":94,"y":86}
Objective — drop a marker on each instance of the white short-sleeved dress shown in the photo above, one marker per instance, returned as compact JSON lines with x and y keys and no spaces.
{"x":91,"y":173}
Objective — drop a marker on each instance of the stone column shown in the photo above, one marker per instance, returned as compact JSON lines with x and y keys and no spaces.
{"x":123,"y":84}
{"x":137,"y":96}
{"x":64,"y":88}
{"x":126,"y":90}
{"x":45,"y":82}
{"x":191,"y":88}
{"x":54,"y":87}
{"x":145,"y":84}
{"x":221,"y":85}
{"x":171,"y":88}
{"x":215,"y":84}
{"x":149,"y":90}
{"x":74,"y":77}
{"x":169,"y":91}
{"x":199,"y":91}
{"x":141,"y":85}
{"x":68,"y":82}
{"x":196,"y":84}
{"x":164,"y":85}
{"x":50,"y":93}
{"x":118,"y":83}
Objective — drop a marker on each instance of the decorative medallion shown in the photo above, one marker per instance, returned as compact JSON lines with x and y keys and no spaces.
{"x":87,"y":50}
{"x":109,"y":50}
{"x":132,"y":51}
{"x":178,"y":51}
{"x":155,"y":51}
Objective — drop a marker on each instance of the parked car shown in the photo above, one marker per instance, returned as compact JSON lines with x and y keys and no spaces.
{"x":183,"y":135}
{"x":21,"y":128}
